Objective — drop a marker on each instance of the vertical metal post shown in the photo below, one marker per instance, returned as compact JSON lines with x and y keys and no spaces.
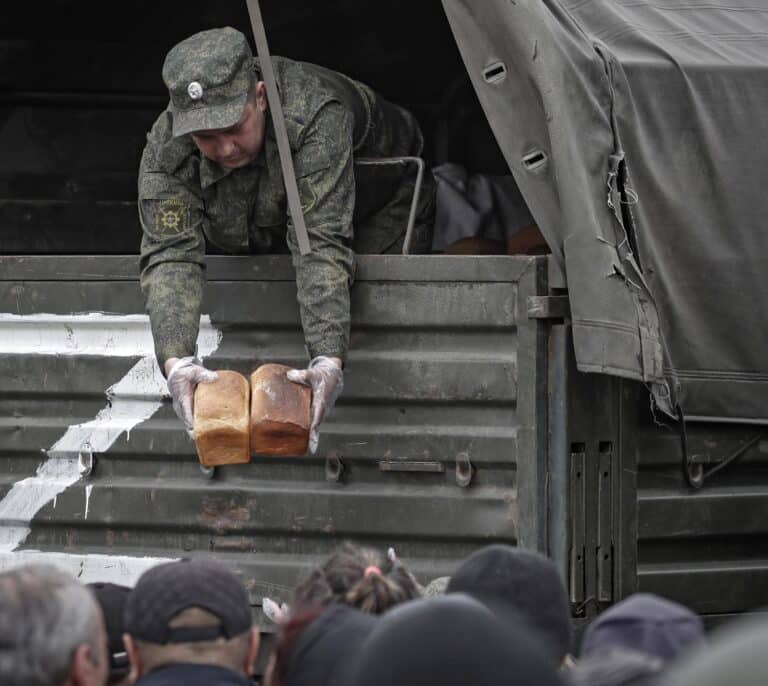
{"x":278,"y":120}
{"x":625,"y":492}
{"x":558,"y":448}
{"x":373,"y":161}
{"x":532,"y":408}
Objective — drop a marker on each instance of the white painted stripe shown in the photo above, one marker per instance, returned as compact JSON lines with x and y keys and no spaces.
{"x":91,"y":333}
{"x":116,"y":569}
{"x":88,"y":490}
{"x":133,"y":399}
{"x":27,"y":496}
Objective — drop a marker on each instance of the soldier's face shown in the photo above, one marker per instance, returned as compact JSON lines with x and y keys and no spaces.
{"x":240,"y":144}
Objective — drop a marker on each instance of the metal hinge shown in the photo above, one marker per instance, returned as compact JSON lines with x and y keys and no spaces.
{"x":591,"y":552}
{"x":548,"y":307}
{"x":577,"y":549}
{"x":604,"y":550}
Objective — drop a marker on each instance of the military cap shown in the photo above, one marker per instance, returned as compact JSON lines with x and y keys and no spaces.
{"x":209,"y":76}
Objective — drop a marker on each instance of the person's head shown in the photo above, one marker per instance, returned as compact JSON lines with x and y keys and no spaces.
{"x":363,"y":578}
{"x":216,"y":97}
{"x":617,"y":667}
{"x":450,"y":640}
{"x":192,"y":612}
{"x":735,"y":655}
{"x":521,"y":581}
{"x":111,"y":599}
{"x":51,"y":630}
{"x":645,"y":623}
{"x":315,"y":648}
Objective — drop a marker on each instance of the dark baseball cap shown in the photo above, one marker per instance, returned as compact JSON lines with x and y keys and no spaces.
{"x":164,"y":591}
{"x":208,"y":76}
{"x":645,"y":622}
{"x":448,"y":640}
{"x":513,"y":581}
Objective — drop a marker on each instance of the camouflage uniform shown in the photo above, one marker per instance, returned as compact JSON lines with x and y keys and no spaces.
{"x":187,"y":201}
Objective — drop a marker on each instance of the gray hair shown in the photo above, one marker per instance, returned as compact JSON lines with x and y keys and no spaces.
{"x":44,"y":616}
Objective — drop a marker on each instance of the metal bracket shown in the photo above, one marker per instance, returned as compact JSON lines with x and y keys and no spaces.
{"x":591,"y":566}
{"x":693,"y":469}
{"x":577,"y":552}
{"x":411,"y":466}
{"x":604,"y":551}
{"x":334,"y":469}
{"x":548,"y":307}
{"x":85,"y":460}
{"x":465,"y":471}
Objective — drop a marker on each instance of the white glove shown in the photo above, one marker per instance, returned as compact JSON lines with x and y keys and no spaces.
{"x":325,"y":378}
{"x":183,"y":378}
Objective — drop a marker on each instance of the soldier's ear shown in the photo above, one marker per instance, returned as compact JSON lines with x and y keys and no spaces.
{"x":261,"y":96}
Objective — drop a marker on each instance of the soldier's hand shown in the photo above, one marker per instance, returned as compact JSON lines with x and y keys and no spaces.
{"x":326,"y":379}
{"x":185,"y":374}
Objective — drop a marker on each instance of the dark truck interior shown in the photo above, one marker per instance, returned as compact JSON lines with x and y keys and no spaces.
{"x":80,"y":85}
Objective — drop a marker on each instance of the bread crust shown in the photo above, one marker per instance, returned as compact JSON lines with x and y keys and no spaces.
{"x":222,"y":420}
{"x":280,"y":413}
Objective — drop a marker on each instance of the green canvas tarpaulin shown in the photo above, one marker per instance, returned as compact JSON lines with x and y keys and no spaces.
{"x":637,"y":132}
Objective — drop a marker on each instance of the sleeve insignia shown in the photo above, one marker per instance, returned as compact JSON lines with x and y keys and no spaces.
{"x":171,"y":218}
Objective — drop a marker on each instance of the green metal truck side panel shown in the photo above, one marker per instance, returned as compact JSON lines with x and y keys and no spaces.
{"x":442,"y":377}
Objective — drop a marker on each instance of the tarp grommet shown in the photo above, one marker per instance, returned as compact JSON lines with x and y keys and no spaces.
{"x":495,"y":72}
{"x":534,"y":160}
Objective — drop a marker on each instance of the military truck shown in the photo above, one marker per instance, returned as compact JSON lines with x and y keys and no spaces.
{"x":603,"y":404}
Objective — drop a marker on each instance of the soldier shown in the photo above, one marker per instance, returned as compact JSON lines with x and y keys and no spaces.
{"x":210,"y":174}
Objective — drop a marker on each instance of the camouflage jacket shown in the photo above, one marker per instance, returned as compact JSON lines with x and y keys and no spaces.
{"x":187,"y":201}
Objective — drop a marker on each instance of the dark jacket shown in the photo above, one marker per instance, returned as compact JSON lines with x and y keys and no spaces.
{"x":326,"y":648}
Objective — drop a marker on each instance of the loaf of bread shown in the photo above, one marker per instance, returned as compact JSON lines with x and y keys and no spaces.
{"x":280,"y":416}
{"x":221,"y":420}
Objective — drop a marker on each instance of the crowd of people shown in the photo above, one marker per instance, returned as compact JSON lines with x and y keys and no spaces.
{"x":359,"y":619}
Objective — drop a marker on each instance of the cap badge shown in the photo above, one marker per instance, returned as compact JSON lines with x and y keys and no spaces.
{"x":195,"y":90}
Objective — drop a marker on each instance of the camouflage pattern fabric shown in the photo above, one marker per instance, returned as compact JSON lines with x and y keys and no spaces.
{"x":208,"y":77}
{"x":187,"y":201}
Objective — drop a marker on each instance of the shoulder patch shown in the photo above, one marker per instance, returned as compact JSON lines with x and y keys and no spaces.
{"x":166,"y":218}
{"x":171,"y":215}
